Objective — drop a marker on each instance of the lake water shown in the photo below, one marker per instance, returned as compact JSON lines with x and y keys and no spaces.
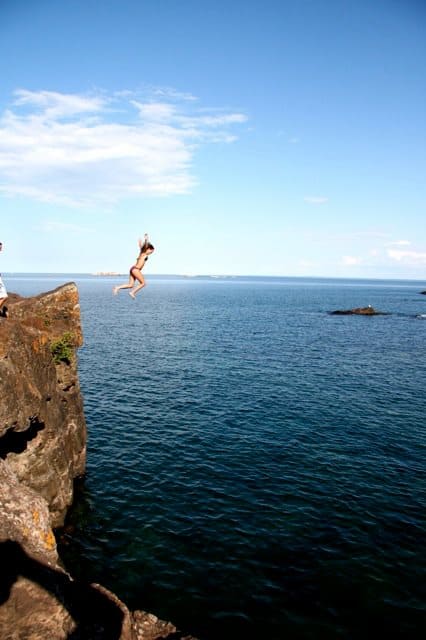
{"x":256,"y":466}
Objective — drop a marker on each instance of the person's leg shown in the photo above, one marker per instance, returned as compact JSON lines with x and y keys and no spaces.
{"x":129,"y":285}
{"x":139,"y":277}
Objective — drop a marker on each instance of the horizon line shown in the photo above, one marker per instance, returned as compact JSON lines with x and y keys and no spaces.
{"x":206,"y":275}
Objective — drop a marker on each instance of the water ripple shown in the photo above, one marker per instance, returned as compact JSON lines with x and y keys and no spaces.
{"x":256,"y":466}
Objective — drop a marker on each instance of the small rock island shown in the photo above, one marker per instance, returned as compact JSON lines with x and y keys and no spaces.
{"x":358,"y":311}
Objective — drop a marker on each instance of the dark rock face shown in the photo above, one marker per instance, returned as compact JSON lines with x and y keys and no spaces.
{"x":358,"y":311}
{"x":42,"y":425}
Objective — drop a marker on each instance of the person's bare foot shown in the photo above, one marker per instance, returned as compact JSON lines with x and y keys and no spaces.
{"x":131,"y":294}
{"x":115,"y":290}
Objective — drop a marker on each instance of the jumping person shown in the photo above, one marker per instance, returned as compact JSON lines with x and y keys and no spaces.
{"x":135,"y":273}
{"x":3,"y":294}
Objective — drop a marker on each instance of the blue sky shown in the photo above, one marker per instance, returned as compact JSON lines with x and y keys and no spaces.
{"x":247,"y":137}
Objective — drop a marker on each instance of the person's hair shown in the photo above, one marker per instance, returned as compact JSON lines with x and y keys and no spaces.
{"x":147,"y":245}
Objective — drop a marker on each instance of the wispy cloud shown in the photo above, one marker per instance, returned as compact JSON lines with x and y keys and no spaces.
{"x":315,"y":199}
{"x":171,"y":94}
{"x":97,"y":149}
{"x":407,"y":257}
{"x":399,"y":243}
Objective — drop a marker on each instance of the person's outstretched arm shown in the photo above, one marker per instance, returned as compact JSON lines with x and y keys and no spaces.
{"x":142,"y":247}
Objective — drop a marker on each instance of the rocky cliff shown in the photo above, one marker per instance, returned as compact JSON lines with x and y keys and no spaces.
{"x":42,"y":425}
{"x":42,"y":451}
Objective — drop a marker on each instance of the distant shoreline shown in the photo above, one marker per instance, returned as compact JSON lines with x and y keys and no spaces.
{"x":184,"y":276}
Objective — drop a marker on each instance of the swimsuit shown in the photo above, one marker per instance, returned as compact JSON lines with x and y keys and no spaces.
{"x":136,"y":267}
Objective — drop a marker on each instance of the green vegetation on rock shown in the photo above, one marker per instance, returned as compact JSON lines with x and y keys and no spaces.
{"x":62,"y":349}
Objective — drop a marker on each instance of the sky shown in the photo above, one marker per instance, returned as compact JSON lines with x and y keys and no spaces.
{"x":247,"y":137}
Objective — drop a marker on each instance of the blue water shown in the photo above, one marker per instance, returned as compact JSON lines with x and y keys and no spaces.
{"x":256,"y":467}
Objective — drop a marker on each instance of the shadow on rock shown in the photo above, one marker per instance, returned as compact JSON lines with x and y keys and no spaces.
{"x":51,"y":604}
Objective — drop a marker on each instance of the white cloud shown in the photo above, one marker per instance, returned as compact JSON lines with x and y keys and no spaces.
{"x":171,"y":94}
{"x":58,"y":105}
{"x":88,"y":150}
{"x":399,"y":243}
{"x":155,"y":111}
{"x":315,"y":199}
{"x":407,"y":257}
